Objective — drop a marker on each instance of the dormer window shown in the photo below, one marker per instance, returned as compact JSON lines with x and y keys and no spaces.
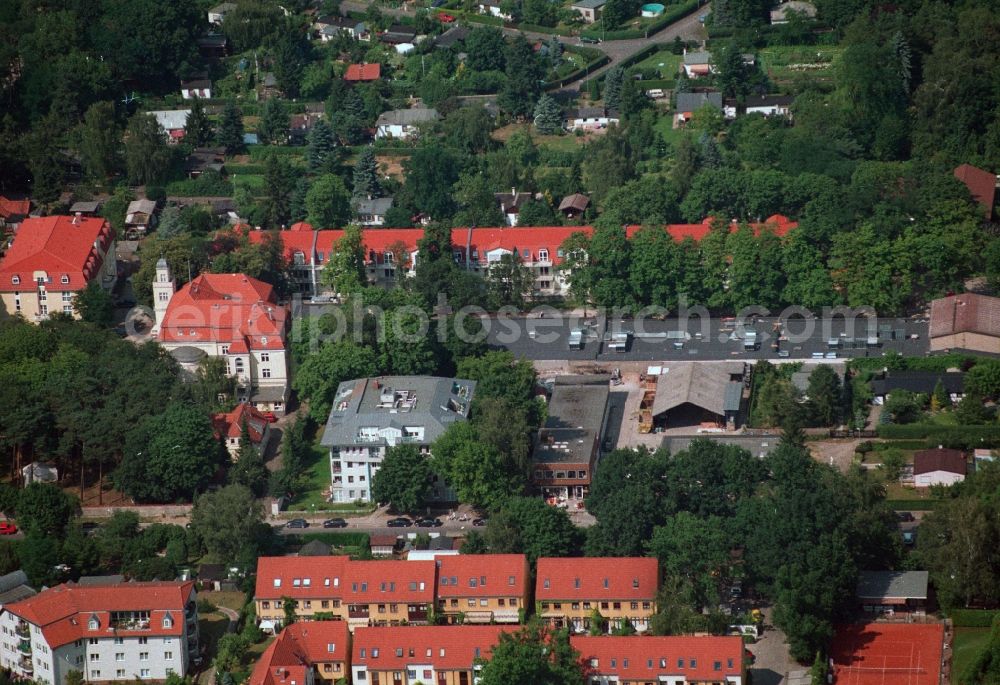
{"x":277,"y":582}
{"x":388,"y":257}
{"x":635,"y":583}
{"x":64,"y":280}
{"x":93,"y":624}
{"x":168,"y":622}
{"x":263,"y":341}
{"x":543,"y":255}
{"x":16,"y":280}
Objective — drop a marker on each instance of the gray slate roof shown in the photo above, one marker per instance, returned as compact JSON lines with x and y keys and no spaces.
{"x":758,"y":446}
{"x":706,"y":385}
{"x":692,"y":102}
{"x":407,"y":117}
{"x":892,"y":585}
{"x":699,"y":57}
{"x":396,"y":402}
{"x":588,"y":4}
{"x":14,"y":587}
{"x":374,"y":206}
{"x":315,"y":548}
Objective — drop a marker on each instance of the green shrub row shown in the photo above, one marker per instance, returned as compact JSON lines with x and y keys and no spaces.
{"x":896,"y":362}
{"x":972,"y":618}
{"x":577,"y":73}
{"x":958,"y":437}
{"x":245,"y":169}
{"x":337,"y":539}
{"x":196,"y":187}
{"x":260,"y":153}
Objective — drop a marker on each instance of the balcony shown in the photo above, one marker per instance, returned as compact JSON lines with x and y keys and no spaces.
{"x":357,"y":612}
{"x":22,"y":629}
{"x":24,"y":646}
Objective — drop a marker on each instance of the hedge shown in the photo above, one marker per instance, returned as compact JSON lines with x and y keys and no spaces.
{"x":911,"y":504}
{"x":577,"y":73}
{"x":245,"y":169}
{"x":260,"y":153}
{"x":196,"y":187}
{"x":337,"y":539}
{"x":897,"y":362}
{"x":960,"y":437}
{"x":972,"y":618}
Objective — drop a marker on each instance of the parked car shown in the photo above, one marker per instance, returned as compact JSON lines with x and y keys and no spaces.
{"x":445,"y":18}
{"x":401,"y":522}
{"x":335,"y":523}
{"x":429,"y":523}
{"x":7,"y":528}
{"x":297,"y":523}
{"x":269,"y":416}
{"x":905,"y":516}
{"x":479,"y":523}
{"x":90,"y":528}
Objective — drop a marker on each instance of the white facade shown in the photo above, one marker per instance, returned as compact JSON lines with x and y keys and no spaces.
{"x":191,"y":93}
{"x":113,"y":655}
{"x":925,"y":480}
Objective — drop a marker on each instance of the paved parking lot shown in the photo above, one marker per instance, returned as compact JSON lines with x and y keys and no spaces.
{"x":696,"y":339}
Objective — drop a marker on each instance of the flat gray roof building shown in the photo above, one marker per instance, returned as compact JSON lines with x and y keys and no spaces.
{"x":892,"y":585}
{"x":389,"y":410}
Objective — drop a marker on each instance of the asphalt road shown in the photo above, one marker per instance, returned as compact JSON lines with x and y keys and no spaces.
{"x":652,"y":340}
{"x":450,"y":528}
{"x":687,"y":28}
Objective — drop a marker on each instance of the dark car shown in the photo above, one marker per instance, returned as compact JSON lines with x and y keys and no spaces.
{"x":479,"y":523}
{"x":429,"y":523}
{"x":905,"y":516}
{"x":335,"y":523}
{"x":401,"y":522}
{"x":297,"y":523}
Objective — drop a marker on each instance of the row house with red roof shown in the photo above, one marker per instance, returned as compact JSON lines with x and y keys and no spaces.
{"x":483,"y":588}
{"x":568,"y":591}
{"x":230,"y":426}
{"x":432,"y":655}
{"x":231,"y":316}
{"x":362,"y":593}
{"x":51,"y":260}
{"x":391,"y":253}
{"x":677,"y":660}
{"x":304,"y":653}
{"x":110,"y":632}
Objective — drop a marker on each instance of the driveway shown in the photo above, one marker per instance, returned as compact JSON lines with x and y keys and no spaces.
{"x":772,"y":664}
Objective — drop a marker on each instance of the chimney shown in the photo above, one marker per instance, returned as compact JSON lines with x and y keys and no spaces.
{"x":513,"y":193}
{"x":76,"y":218}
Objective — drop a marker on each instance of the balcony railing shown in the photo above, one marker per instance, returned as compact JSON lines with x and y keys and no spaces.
{"x":357,"y":613}
{"x":24,"y":646}
{"x":137,"y":624}
{"x":22,"y":629}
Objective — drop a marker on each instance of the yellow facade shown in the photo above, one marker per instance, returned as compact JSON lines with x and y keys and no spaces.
{"x":578,"y":613}
{"x":505,"y":609}
{"x":390,"y":677}
{"x":28,"y":303}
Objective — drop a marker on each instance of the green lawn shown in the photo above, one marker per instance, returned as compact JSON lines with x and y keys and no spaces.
{"x":968,"y":642}
{"x":210,"y":627}
{"x":313,"y":497}
{"x":783,"y":62}
{"x":254,"y":182}
{"x":665,"y":127}
{"x":665,"y":61}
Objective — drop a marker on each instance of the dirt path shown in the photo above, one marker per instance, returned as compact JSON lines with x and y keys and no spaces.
{"x":836,"y":453}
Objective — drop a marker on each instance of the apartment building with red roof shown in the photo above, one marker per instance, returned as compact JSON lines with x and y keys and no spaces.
{"x":115,"y":631}
{"x":229,"y":428}
{"x":232,"y":316}
{"x":434,"y":655}
{"x":569,"y":590}
{"x":679,"y":660}
{"x":483,"y":588}
{"x":304,"y":653}
{"x":965,"y":322}
{"x":52,"y":259}
{"x":357,"y":73}
{"x":391,"y":253}
{"x":359,"y":592}
{"x":13,"y":212}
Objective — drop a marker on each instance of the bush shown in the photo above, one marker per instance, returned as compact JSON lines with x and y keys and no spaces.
{"x":156,"y":193}
{"x":972,"y":618}
{"x":959,"y":437}
{"x":205,"y":607}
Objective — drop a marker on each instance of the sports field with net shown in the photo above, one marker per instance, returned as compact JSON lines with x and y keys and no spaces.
{"x":887,"y":654}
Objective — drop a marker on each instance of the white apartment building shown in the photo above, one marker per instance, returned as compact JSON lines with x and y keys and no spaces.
{"x":370,"y":415}
{"x":121,"y":631}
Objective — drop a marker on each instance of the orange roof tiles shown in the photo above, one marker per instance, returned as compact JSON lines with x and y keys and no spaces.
{"x":64,"y":612}
{"x":225,"y":308}
{"x":297,"y":648}
{"x":13,"y":208}
{"x":600,"y":578}
{"x":297,"y":577}
{"x":646,"y":658}
{"x":444,"y":648}
{"x":58,"y":245}
{"x":482,"y":575}
{"x":363,"y":72}
{"x":981,"y":184}
{"x":230,"y":425}
{"x":390,"y":581}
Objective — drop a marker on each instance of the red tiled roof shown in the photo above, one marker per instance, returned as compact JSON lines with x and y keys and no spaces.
{"x":444,"y":648}
{"x":9,"y":208}
{"x":64,"y":612}
{"x":300,"y":226}
{"x":601,"y":578}
{"x":646,"y":658}
{"x":390,"y":581}
{"x":965,"y":313}
{"x":363,"y":72}
{"x":225,"y":308}
{"x":231,"y":425}
{"x":928,"y":461}
{"x":981,"y":184}
{"x":314,"y":576}
{"x":463,"y":575}
{"x":299,"y":647}
{"x":778,"y":224}
{"x":58,"y":245}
